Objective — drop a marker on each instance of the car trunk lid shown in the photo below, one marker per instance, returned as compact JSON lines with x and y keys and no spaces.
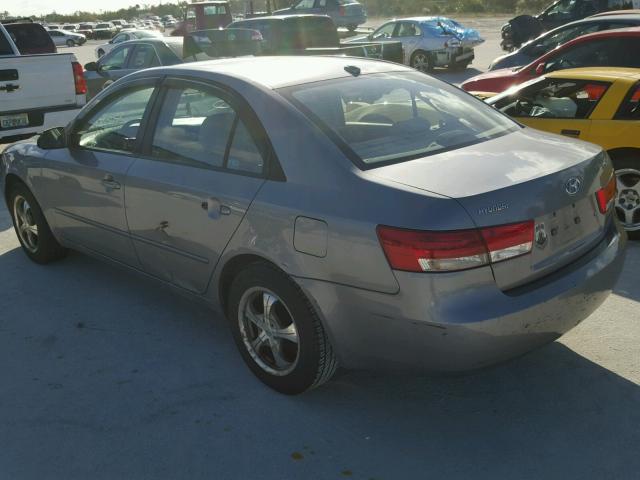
{"x":520,"y":177}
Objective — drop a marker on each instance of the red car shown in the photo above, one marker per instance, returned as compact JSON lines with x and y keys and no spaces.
{"x":610,"y":48}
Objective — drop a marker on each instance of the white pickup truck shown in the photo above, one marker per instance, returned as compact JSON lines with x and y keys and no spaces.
{"x":37,"y":92}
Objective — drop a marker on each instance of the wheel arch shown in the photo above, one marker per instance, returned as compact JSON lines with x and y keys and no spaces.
{"x":9,"y":182}
{"x":231,"y":269}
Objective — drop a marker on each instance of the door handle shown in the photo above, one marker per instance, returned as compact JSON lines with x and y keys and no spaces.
{"x":571,"y":133}
{"x":109,"y":182}
{"x":215,"y":208}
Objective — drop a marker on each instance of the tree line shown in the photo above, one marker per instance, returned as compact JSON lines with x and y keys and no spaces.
{"x":375,"y":8}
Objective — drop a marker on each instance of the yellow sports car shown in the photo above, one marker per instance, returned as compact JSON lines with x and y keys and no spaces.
{"x":599,"y":105}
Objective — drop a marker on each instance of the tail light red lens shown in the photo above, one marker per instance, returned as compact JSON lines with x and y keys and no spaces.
{"x":425,"y":251}
{"x":606,"y":195}
{"x":78,"y":78}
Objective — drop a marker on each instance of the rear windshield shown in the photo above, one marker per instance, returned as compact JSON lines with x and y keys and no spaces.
{"x":389,"y":118}
{"x":30,"y":36}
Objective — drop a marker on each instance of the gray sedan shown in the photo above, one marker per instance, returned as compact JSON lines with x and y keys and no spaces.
{"x":64,"y":37}
{"x":336,"y":210}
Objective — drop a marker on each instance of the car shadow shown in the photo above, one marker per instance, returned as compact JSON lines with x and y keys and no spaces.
{"x":456,"y":78}
{"x":5,"y":217}
{"x":628,"y":285}
{"x":101,"y":363}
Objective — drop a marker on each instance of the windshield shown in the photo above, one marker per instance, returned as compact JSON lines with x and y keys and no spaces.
{"x":388,"y":118}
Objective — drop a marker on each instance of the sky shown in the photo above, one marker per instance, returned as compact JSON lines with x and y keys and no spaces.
{"x":38,"y":7}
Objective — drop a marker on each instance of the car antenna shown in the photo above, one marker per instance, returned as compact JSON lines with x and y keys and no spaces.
{"x":353,"y":70}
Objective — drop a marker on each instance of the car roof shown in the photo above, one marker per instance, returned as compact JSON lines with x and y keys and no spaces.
{"x":285,"y":71}
{"x":609,"y":74}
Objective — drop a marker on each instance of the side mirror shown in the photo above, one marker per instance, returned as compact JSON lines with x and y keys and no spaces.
{"x":540,"y":68}
{"x":52,"y":139}
{"x":91,"y":67}
{"x":110,"y":41}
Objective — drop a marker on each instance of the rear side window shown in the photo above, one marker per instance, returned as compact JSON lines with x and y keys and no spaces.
{"x":31,"y":38}
{"x":200,"y":129}
{"x":388,"y":118}
{"x":630,"y":108}
{"x":554,"y":98}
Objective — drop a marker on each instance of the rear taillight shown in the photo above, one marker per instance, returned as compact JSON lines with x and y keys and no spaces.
{"x":78,"y":79}
{"x":606,"y":195}
{"x":422,"y":251}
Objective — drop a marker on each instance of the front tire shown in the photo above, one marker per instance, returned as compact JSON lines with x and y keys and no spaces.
{"x":71,"y":43}
{"x":627,"y":205}
{"x":32,"y":228}
{"x":422,"y":61}
{"x":278,"y":332}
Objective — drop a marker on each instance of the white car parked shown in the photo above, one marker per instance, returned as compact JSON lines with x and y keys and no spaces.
{"x":429,"y":42}
{"x":64,"y":37}
{"x":123,"y":36}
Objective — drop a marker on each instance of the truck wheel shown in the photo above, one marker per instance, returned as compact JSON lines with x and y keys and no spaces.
{"x":628,"y":200}
{"x":278,"y":332}
{"x":422,"y":61}
{"x":71,"y":43}
{"x":32,"y":228}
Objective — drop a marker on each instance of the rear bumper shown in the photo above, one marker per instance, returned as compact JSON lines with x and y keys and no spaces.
{"x":462,"y":321}
{"x":41,"y":120}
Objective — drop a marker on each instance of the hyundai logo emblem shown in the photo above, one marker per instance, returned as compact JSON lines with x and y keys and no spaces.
{"x":573,"y":185}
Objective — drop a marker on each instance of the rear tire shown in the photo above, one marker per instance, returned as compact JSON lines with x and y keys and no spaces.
{"x":352,"y":28}
{"x":458,"y":67}
{"x":71,"y":43}
{"x":278,"y":332}
{"x":32,"y":228}
{"x":422,"y":61}
{"x":627,"y":205}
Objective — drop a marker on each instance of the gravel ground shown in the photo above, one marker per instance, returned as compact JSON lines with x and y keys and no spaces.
{"x":108,"y":375}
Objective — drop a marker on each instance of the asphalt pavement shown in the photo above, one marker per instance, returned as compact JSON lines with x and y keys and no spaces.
{"x":108,"y":375}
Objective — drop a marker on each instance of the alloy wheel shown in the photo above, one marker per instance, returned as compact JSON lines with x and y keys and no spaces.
{"x":25,"y":223}
{"x":269,"y":331}
{"x":421,"y":62}
{"x":628,"y":199}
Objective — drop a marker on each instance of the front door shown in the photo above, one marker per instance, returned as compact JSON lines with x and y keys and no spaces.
{"x":201,"y":169}
{"x":111,"y":67}
{"x":85,"y":183}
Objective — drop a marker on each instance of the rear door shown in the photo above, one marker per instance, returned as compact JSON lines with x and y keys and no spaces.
{"x":201,"y":168}
{"x":410,"y":35}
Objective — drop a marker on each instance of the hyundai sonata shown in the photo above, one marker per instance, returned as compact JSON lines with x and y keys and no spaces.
{"x":337,"y":210}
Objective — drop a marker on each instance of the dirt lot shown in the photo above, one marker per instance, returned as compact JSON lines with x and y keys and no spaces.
{"x":107,"y":375}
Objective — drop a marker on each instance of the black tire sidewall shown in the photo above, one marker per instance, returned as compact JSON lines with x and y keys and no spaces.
{"x":48,"y":247}
{"x":305,"y":373}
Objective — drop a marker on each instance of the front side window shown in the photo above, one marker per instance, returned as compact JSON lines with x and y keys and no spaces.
{"x":608,"y":52}
{"x":386,"y":31}
{"x":117,"y":59}
{"x":563,"y":7}
{"x":550,"y":42}
{"x":389,"y":118}
{"x":196,"y":127}
{"x":630,"y":108}
{"x":554,"y":98}
{"x":115,"y":125}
